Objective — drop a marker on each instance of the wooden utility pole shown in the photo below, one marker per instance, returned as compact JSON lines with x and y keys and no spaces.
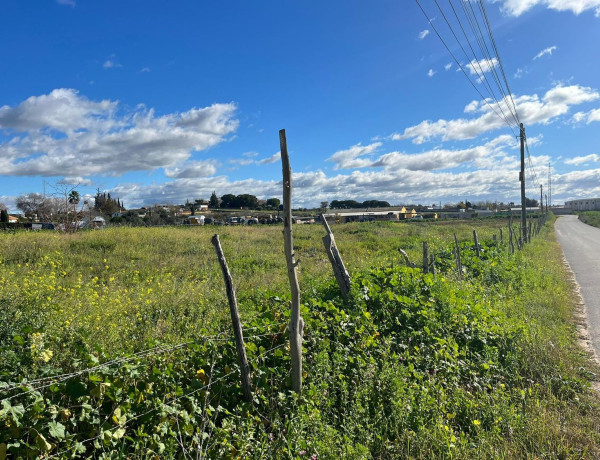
{"x":425,"y":257}
{"x":339,"y":269}
{"x":235,"y":319}
{"x":296,"y":322}
{"x":476,"y":241}
{"x":541,"y":200}
{"x":522,"y":179}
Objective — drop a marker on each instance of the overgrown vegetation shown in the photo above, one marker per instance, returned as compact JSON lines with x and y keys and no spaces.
{"x":414,"y":366}
{"x":590,"y":218}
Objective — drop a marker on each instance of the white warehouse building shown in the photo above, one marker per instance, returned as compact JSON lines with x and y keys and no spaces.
{"x":590,"y":204}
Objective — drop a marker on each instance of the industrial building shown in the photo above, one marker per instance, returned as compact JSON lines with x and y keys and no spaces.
{"x":589,"y":204}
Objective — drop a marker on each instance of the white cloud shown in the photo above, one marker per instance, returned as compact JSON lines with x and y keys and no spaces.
{"x":75,"y":181}
{"x":480,"y":67}
{"x":349,"y":158}
{"x":64,"y":133}
{"x":111,"y":64}
{"x":588,"y":117}
{"x":448,"y":66}
{"x":520,"y":72}
{"x":272,"y":159}
{"x":423,"y":34}
{"x":431,"y":73}
{"x":546,"y":51}
{"x":532,"y":109}
{"x":193,"y":169}
{"x":592,"y":158}
{"x":145,"y":69}
{"x":518,"y":7}
{"x":66,"y":2}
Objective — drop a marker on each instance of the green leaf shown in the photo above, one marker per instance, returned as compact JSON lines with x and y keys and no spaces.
{"x":42,"y":444}
{"x":16,"y":412}
{"x":76,"y":389}
{"x":57,"y":430}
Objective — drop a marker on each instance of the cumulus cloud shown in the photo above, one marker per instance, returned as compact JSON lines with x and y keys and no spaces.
{"x":349,"y":158}
{"x":480,"y":67}
{"x":448,"y":66}
{"x":272,"y":159}
{"x":518,"y":7}
{"x":592,"y":158}
{"x":75,"y":181}
{"x":587,"y":117}
{"x":532,"y":110}
{"x":193,"y":169}
{"x":423,"y":34}
{"x":64,"y":133}
{"x":546,"y":51}
{"x":431,"y":73}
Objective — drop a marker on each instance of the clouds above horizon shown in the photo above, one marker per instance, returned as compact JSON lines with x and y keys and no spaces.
{"x":65,"y":134}
{"x":532,"y":109}
{"x":518,"y":7}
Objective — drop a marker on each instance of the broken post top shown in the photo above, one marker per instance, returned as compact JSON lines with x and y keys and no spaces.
{"x":326,"y":224}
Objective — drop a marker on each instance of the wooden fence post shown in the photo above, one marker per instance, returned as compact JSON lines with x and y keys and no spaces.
{"x":339,"y":269}
{"x":296,"y":322}
{"x":425,"y":257}
{"x":235,"y":320}
{"x":407,"y":260}
{"x":501,"y":236}
{"x":476,"y":243}
{"x":458,"y":261}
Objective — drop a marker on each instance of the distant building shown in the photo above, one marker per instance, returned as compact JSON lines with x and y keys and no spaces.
{"x":590,"y":204}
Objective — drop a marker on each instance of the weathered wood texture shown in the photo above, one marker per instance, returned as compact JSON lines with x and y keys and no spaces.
{"x":296,"y":322}
{"x":339,"y":269}
{"x":235,"y":319}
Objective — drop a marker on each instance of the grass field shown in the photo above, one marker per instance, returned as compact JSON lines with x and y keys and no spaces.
{"x":590,"y":218}
{"x":413,"y":366}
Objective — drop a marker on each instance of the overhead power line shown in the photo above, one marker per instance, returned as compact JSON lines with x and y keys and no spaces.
{"x":473,"y":24}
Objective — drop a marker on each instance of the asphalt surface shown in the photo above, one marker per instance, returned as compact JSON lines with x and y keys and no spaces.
{"x":581,"y":245}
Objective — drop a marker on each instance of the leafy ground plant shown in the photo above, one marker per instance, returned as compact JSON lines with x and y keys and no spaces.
{"x":414,"y":366}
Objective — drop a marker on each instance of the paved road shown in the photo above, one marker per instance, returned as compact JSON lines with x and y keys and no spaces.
{"x":581,"y":245}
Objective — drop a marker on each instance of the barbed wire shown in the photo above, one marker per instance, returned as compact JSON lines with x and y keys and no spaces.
{"x":53,"y":380}
{"x":167,"y":403}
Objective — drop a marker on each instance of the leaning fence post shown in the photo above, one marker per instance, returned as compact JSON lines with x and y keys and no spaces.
{"x":296,"y":322}
{"x":458,"y":261}
{"x":476,"y":243}
{"x":501,"y":236}
{"x":339,"y":269}
{"x":425,"y":257}
{"x":235,"y":319}
{"x":405,"y":255}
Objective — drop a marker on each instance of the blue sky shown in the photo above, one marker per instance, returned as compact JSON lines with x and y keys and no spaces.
{"x":161,"y":102}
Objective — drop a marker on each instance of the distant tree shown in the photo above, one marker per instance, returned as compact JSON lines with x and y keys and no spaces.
{"x":273,"y":203}
{"x":213,"y":203}
{"x":105,"y":204}
{"x":4,"y":216}
{"x":30,"y":204}
{"x":375,"y":204}
{"x":2,"y":206}
{"x":345,"y":204}
{"x":530,"y":203}
{"x":246,"y":201}
{"x":324,"y":205}
{"x":228,"y":201}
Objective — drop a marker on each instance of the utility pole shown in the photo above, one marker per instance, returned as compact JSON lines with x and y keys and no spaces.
{"x":550,"y":183}
{"x":541,"y":200}
{"x":522,"y":179}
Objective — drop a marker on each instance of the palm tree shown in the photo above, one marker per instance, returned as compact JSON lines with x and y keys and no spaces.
{"x":74,"y":200}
